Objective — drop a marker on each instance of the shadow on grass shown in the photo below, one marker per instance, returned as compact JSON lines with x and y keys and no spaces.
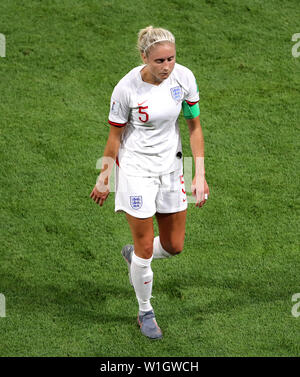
{"x":83,"y":301}
{"x":104,"y":301}
{"x":227,"y":293}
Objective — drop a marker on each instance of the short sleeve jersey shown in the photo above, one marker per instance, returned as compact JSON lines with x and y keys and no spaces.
{"x":149,"y":113}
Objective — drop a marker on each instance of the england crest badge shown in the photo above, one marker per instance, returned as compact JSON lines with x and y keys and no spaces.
{"x":176,"y":93}
{"x":136,"y":202}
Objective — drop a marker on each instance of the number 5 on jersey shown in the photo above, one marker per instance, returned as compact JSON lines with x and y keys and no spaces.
{"x":145,"y":117}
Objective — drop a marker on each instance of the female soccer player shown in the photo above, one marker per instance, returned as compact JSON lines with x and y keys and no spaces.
{"x":144,"y":140}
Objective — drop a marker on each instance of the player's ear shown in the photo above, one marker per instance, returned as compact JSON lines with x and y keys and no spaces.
{"x":144,"y":57}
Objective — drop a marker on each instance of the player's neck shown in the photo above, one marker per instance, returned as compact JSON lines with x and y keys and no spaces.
{"x":149,"y":78}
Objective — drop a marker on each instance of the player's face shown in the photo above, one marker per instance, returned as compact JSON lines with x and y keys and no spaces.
{"x":160,"y":61}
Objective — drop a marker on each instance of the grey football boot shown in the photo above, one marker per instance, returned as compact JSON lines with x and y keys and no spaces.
{"x":149,"y":326}
{"x":127,"y":255}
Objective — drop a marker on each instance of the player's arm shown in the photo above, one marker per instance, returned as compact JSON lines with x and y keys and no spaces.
{"x":118,"y":118}
{"x":199,"y":185}
{"x":101,"y":189}
{"x":110,"y":152}
{"x":191,"y":112}
{"x":196,"y":140}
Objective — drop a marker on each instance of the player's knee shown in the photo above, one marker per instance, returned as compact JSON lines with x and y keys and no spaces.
{"x":176,"y":251}
{"x":144,"y":249}
{"x":174,"y":247}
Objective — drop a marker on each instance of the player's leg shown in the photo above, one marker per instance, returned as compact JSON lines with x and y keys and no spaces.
{"x":140,"y":269}
{"x":171,"y":234}
{"x":142,"y":274}
{"x":136,"y":197}
{"x":171,"y":204}
{"x":142,"y":234}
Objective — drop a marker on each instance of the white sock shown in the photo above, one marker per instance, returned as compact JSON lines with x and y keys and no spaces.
{"x":158,"y":251}
{"x":142,"y":280}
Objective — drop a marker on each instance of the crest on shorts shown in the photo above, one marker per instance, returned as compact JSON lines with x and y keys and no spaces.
{"x":176,"y":93}
{"x":136,"y":202}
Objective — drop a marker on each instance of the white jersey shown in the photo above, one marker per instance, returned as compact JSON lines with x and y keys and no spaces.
{"x":151,"y":139}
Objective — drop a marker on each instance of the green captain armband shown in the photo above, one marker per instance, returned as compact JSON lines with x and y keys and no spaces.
{"x":190,"y":111}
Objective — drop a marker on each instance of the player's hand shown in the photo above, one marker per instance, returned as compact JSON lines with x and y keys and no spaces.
{"x":200,"y":191}
{"x":99,"y":196}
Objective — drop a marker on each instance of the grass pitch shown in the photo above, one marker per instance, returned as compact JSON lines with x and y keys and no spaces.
{"x":66,"y":287}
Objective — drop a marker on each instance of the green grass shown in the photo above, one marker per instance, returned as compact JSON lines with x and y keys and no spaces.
{"x":66,"y":286}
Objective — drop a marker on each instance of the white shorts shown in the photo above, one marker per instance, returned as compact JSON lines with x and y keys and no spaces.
{"x":144,"y":196}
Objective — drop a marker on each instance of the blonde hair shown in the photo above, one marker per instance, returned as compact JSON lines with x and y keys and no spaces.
{"x":149,"y":36}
